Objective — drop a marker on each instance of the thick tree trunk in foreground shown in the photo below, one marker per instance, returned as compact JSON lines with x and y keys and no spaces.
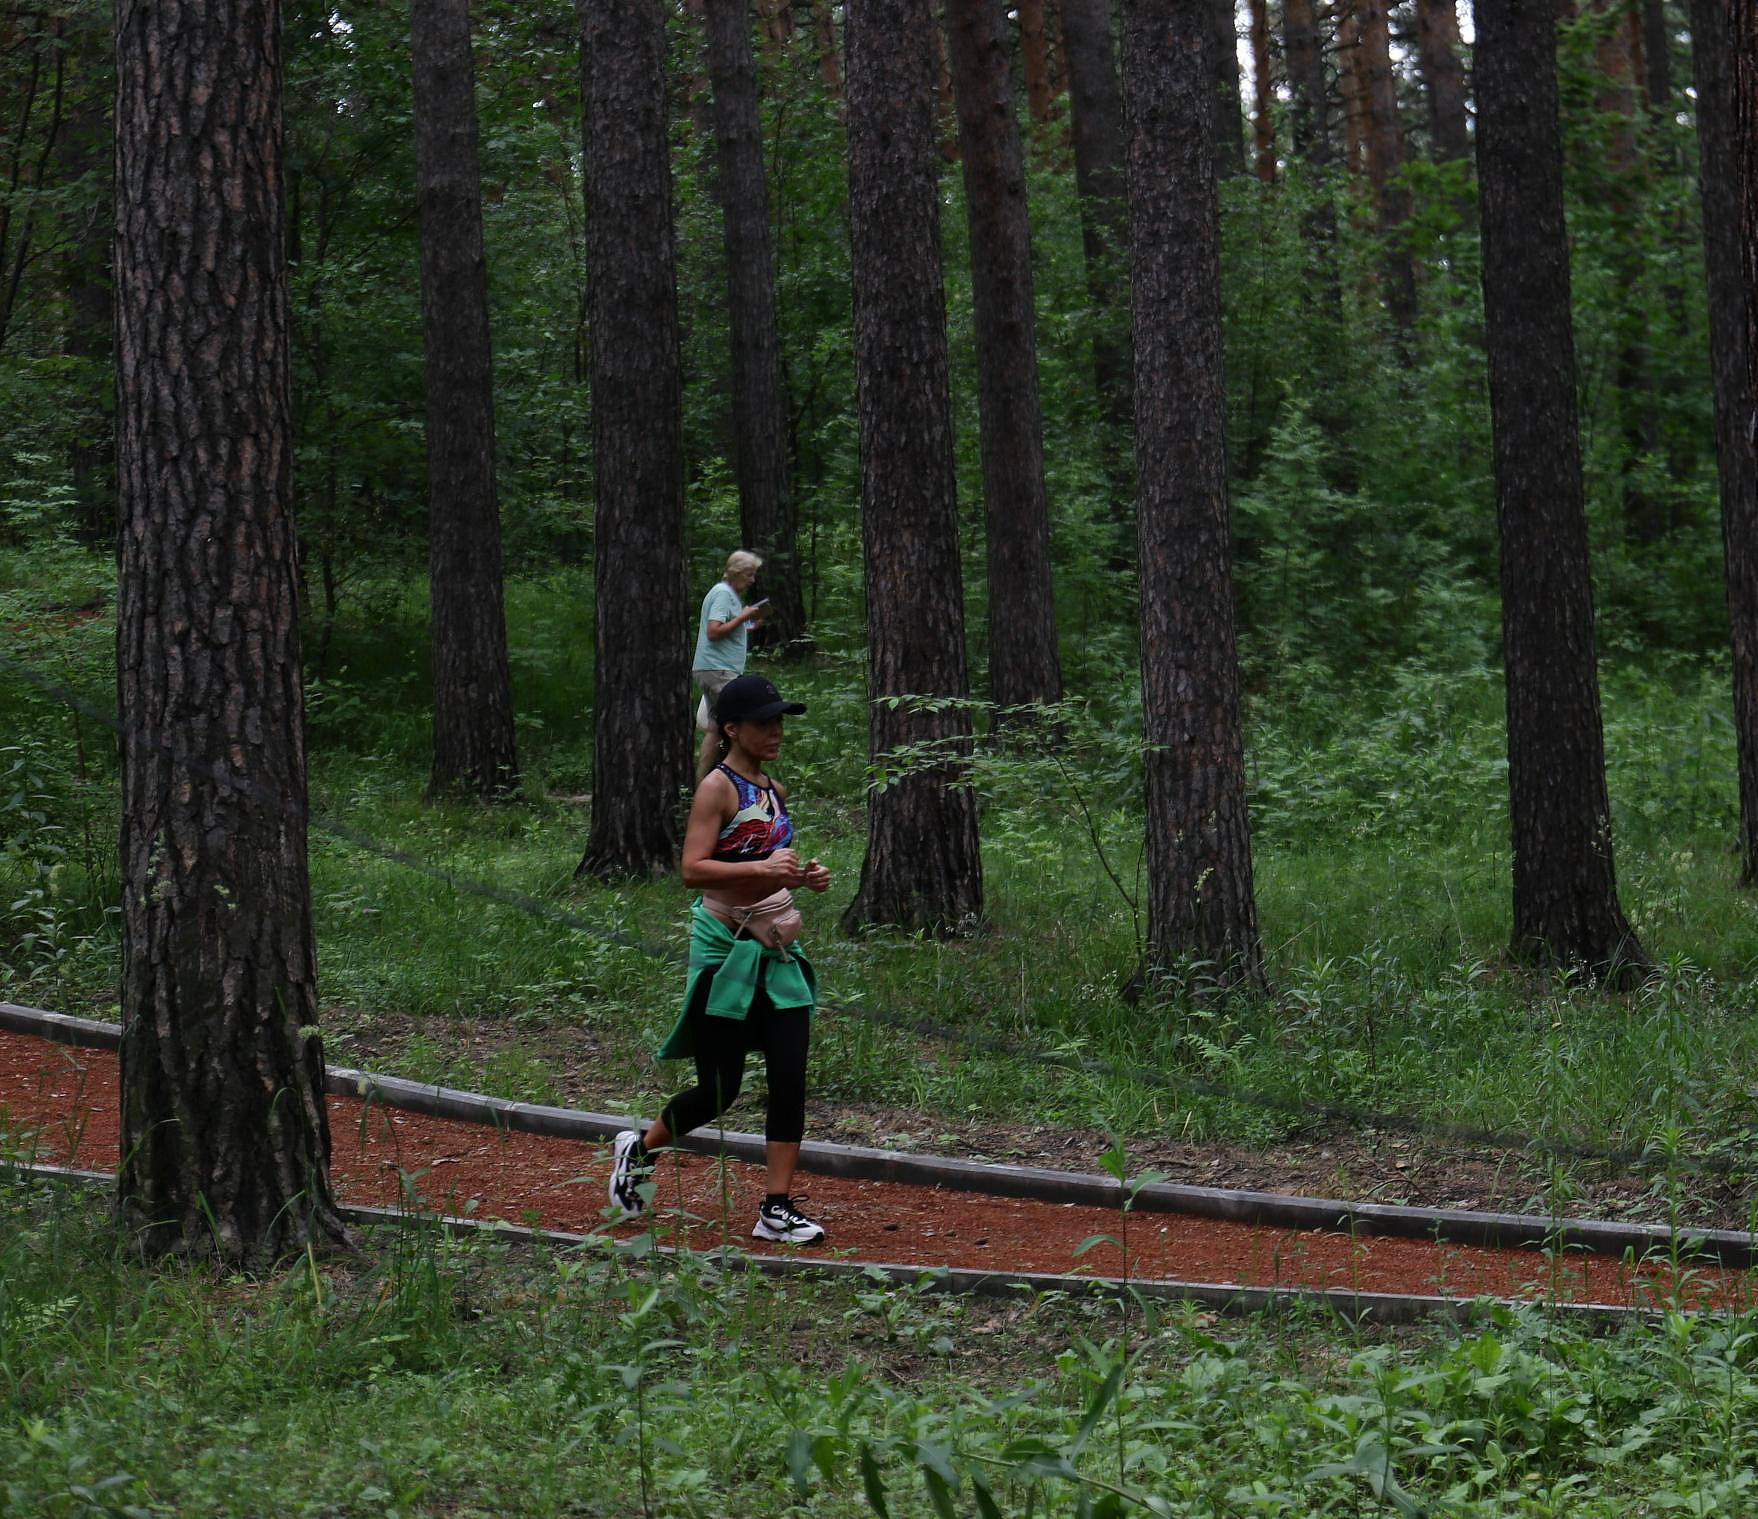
{"x":1023,"y":663}
{"x":1095,"y":101}
{"x":1566,"y":908}
{"x":225,"y":1139}
{"x":1713,"y":53}
{"x":1201,"y":905}
{"x":474,"y":752}
{"x":640,"y":739}
{"x":923,"y":869}
{"x":759,"y":403}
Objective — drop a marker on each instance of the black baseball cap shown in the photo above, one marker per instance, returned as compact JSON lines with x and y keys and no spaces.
{"x":752,"y":698}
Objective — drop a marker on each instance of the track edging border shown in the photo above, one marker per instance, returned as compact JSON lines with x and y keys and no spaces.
{"x":1229,"y":1298}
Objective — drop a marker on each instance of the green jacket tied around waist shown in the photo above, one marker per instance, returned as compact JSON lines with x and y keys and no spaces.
{"x":733,"y":969}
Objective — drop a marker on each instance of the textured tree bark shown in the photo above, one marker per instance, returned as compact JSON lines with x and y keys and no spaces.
{"x":1201,"y":904}
{"x":1714,"y":51}
{"x":1023,"y":663}
{"x":1095,"y":100}
{"x":1566,"y":909}
{"x":640,"y":739}
{"x":474,"y":752}
{"x":1034,"y":52}
{"x":759,"y":401}
{"x":225,"y":1139}
{"x":1385,"y":160}
{"x":1443,"y":74}
{"x":1263,"y":94}
{"x":923,"y":868}
{"x":1226,"y":100}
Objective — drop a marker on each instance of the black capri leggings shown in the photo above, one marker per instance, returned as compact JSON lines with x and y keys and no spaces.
{"x":784,"y":1035}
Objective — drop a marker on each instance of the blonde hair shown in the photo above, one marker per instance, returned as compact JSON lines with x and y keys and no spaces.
{"x":742,"y":559}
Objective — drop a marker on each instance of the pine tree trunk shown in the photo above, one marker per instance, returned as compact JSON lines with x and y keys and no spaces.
{"x":1309,"y":96}
{"x":1095,"y":99}
{"x":225,"y":1138}
{"x":923,"y":868}
{"x":698,"y":93}
{"x":778,"y":24}
{"x":1303,"y":46}
{"x":1438,"y":45}
{"x":1201,"y":905}
{"x":759,"y":402}
{"x":1058,"y":37}
{"x":1035,"y":56}
{"x":1263,"y":94}
{"x":1657,"y":51}
{"x":1385,"y":161}
{"x":1226,"y":100}
{"x":1566,"y":909}
{"x":1352,"y":82}
{"x":1023,"y":663}
{"x":641,"y":739}
{"x":829,"y":48}
{"x":1713,"y":52}
{"x":474,"y":752}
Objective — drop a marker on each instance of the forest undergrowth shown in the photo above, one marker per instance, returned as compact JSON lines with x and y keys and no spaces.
{"x":465,"y":1376}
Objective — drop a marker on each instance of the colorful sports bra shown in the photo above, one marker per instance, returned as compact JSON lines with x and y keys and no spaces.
{"x":759,"y":827}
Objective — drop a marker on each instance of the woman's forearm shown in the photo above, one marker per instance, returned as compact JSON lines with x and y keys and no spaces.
{"x":703,"y":875}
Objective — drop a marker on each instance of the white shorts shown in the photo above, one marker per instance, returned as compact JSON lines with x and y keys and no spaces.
{"x":710,"y":681}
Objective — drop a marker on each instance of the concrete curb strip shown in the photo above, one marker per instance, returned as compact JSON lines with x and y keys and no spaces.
{"x":1223,"y":1297}
{"x":1458,"y":1226}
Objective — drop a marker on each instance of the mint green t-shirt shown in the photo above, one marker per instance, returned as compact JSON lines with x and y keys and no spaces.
{"x":721,"y":604}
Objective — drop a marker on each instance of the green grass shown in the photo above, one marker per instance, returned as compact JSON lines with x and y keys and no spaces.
{"x":469,"y":1377}
{"x":1379,"y":844}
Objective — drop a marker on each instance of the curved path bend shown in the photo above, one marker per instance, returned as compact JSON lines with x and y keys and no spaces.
{"x":472,"y":1157}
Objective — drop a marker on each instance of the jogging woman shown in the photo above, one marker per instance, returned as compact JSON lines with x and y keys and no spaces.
{"x":749,"y":987}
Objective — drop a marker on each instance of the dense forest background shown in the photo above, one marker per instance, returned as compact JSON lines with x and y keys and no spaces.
{"x":1359,"y":454}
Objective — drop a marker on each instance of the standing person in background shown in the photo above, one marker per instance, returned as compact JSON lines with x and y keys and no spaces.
{"x":720,"y":645}
{"x":749,"y":987}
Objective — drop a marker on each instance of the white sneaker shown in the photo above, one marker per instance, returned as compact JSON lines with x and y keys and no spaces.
{"x":627,"y":1173}
{"x":784,"y":1223}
